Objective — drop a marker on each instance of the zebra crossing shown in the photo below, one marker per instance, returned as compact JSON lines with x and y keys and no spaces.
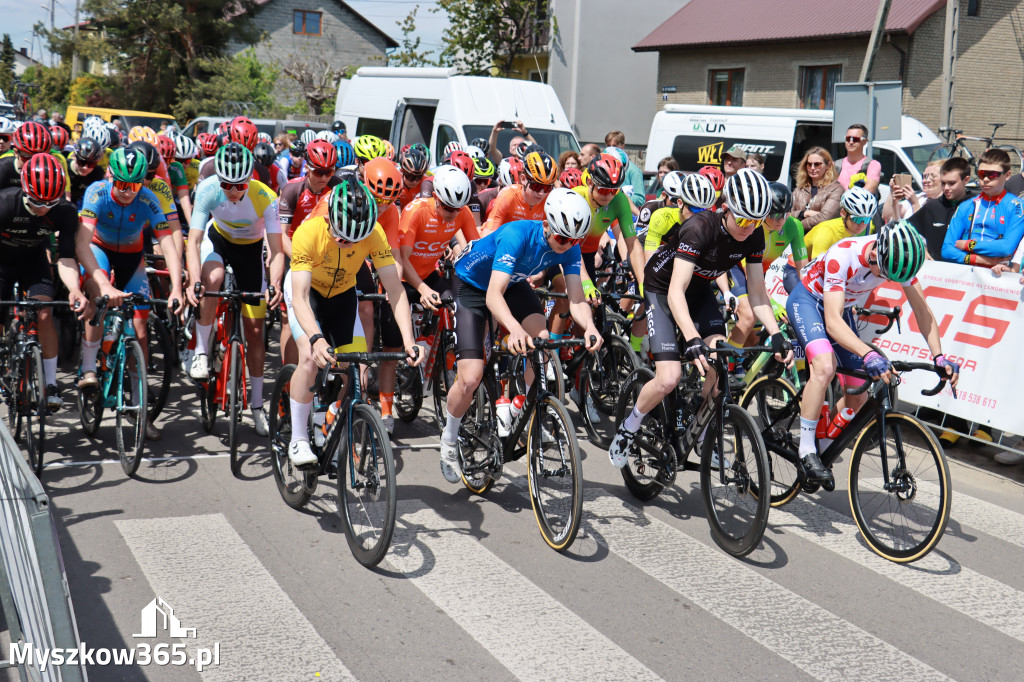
{"x":468,"y":589}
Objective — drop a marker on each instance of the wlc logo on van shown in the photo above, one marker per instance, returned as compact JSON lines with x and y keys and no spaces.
{"x":710,"y":154}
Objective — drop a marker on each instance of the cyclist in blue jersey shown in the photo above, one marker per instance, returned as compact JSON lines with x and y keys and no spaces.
{"x":492,"y":279}
{"x":115,"y":214}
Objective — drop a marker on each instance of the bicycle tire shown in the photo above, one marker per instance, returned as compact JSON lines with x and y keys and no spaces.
{"x":556,"y":385}
{"x":292,"y":483}
{"x":408,"y":392}
{"x":616,"y":323}
{"x":34,"y":406}
{"x":927,"y":476}
{"x":90,"y":408}
{"x":445,"y":371}
{"x":367,"y":513}
{"x":131,"y":432}
{"x":14,"y":400}
{"x":949,"y":149}
{"x":767,"y":399}
{"x":159,"y":366}
{"x":478,"y":440}
{"x":736,"y":516}
{"x":207,"y":394}
{"x":646,"y":456}
{"x":558,"y":512}
{"x":235,"y":399}
{"x":601,"y":380}
{"x":1016,"y":157}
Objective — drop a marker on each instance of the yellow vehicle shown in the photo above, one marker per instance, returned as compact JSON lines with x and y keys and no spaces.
{"x":125,"y":118}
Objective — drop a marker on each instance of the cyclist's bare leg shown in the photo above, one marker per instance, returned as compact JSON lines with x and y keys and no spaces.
{"x":289,"y":351}
{"x":213,"y":280}
{"x":561,"y":306}
{"x":666,"y":378}
{"x":744,"y":323}
{"x":92,"y":334}
{"x":255,"y":352}
{"x":47,"y":330}
{"x":822,"y":369}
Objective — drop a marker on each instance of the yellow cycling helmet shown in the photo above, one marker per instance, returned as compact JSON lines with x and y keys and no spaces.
{"x":369,"y":147}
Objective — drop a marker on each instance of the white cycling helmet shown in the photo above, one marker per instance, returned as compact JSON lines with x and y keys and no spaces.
{"x":7,"y":126}
{"x":327,"y":135}
{"x":505,"y":178}
{"x":308,"y":135}
{"x":98,"y":133}
{"x":695,"y":190}
{"x":748,"y":195}
{"x":859,"y":202}
{"x":185,"y":148}
{"x":452,"y":186}
{"x":475,"y":152}
{"x":452,"y":146}
{"x":568,"y":213}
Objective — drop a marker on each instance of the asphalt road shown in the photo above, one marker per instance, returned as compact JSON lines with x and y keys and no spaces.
{"x":469,"y":589}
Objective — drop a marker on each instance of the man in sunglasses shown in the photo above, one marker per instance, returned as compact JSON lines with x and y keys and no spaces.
{"x":492,"y":280}
{"x":524,"y":201}
{"x":114,"y":218}
{"x":680,"y":298}
{"x":856,"y":207}
{"x":30,"y":216}
{"x":986,"y":230}
{"x":855,"y":161}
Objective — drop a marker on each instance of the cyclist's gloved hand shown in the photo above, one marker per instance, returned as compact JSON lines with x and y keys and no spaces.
{"x":941,"y":363}
{"x":695,"y":348}
{"x":876,"y":364}
{"x":590,"y":291}
{"x":780,"y":344}
{"x":779,"y":310}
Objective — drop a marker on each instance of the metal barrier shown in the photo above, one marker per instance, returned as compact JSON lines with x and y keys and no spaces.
{"x":34,"y":595}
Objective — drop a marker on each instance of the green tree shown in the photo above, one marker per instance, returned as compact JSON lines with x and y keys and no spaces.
{"x":51,"y":86}
{"x":409,"y":54}
{"x":7,"y":66}
{"x":242,"y":78}
{"x":487,"y":36}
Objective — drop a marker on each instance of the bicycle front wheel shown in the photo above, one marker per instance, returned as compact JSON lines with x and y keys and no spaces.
{"x":603,"y":377}
{"x":555,"y":478}
{"x":769,"y":400}
{"x":131,"y":406}
{"x":235,"y":390}
{"x":34,"y":404}
{"x":445,"y":371}
{"x":904,"y":519}
{"x":160,"y":367}
{"x":367,"y":492}
{"x":294,"y":484}
{"x":729,"y":481}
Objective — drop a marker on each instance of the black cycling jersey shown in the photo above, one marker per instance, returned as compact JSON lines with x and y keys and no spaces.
{"x":703,"y":241}
{"x":9,"y":175}
{"x":486,"y":198}
{"x":21,"y":232}
{"x":643,"y":221}
{"x":80,"y":183}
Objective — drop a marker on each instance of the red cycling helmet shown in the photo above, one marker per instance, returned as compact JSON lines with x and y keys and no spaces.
{"x":716,"y":176}
{"x":322,"y":154}
{"x":166,"y":147}
{"x":571,"y":177}
{"x":515,"y":168}
{"x":208,"y":143}
{"x":463,"y":161}
{"x":32,"y":138}
{"x":224,"y":127}
{"x":59,"y":136}
{"x":606,"y":171}
{"x":244,"y":132}
{"x":42,"y":177}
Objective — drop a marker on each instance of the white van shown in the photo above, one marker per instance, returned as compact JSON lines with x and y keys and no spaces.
{"x":698,"y":135}
{"x":436,"y":106}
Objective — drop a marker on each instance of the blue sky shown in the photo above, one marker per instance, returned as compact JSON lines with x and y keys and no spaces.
{"x":19,"y":19}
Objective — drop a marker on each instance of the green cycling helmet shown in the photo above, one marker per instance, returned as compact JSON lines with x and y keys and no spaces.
{"x":351,"y":211}
{"x":368,"y":147}
{"x":901,"y":251}
{"x":128,"y":164}
{"x":234,"y":163}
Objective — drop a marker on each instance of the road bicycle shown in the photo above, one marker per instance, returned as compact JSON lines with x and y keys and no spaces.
{"x":542,"y":430}
{"x":22,"y":382}
{"x":123,"y":386}
{"x":899,"y":488}
{"x":956,"y":145}
{"x":351,"y":446}
{"x":733,"y":462}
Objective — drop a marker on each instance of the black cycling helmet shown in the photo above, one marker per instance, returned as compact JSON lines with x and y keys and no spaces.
{"x":782,"y":198}
{"x":88,"y":150}
{"x":297,"y":149}
{"x":482,"y":143}
{"x":264,"y":153}
{"x":338,"y":128}
{"x":150,"y":152}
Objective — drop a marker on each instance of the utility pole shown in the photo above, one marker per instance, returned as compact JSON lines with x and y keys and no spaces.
{"x":74,"y":47}
{"x":949,"y":50}
{"x":876,"y":39}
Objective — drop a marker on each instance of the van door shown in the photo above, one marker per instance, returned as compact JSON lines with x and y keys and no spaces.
{"x":412,"y":122}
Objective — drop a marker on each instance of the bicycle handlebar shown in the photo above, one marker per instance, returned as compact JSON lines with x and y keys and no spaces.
{"x":901,"y":366}
{"x":547,"y":293}
{"x":33,"y":303}
{"x":358,"y":358}
{"x":892,"y":314}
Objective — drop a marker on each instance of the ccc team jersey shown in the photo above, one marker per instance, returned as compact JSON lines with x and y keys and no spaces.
{"x":423,"y":230}
{"x":511,"y":205}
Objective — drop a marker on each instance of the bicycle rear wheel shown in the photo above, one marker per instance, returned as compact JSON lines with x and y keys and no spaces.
{"x":904,"y":522}
{"x":131,"y":406}
{"x":293,"y":484}
{"x":207,"y":394}
{"x":603,"y":377}
{"x":479,"y":445}
{"x":945,"y":151}
{"x":736,"y":515}
{"x":160,"y":366}
{"x":554,"y":473}
{"x":33,"y":403}
{"x":445,"y":370}
{"x":648,"y":453}
{"x":408,"y":392}
{"x":367,"y":492}
{"x":235,"y":390}
{"x":769,"y":401}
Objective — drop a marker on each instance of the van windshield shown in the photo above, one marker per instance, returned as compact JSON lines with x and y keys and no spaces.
{"x":151,"y":121}
{"x":920,"y":154}
{"x":553,"y":141}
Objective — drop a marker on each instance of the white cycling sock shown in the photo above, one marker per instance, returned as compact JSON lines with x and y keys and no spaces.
{"x":90,"y":349}
{"x":633,"y":421}
{"x":256,"y":399}
{"x":807,"y":429}
{"x":203,"y":338}
{"x":300,"y":419}
{"x":451,"y":428}
{"x":50,"y":371}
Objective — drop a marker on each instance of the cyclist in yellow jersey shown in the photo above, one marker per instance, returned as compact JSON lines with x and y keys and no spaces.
{"x":232,"y":215}
{"x":327,"y":252}
{"x":856,"y":207}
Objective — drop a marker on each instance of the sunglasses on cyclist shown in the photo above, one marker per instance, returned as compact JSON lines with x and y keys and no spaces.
{"x":606,"y":191}
{"x":415,"y":177}
{"x":540,"y":187}
{"x":237,"y":186}
{"x":6,"y":138}
{"x":989,"y":174}
{"x":125,"y":186}
{"x":860,"y":220}
{"x":383,"y":202}
{"x":566,"y":241}
{"x":41,"y":204}
{"x":82,"y":163}
{"x":322,"y":172}
{"x":744,"y":223}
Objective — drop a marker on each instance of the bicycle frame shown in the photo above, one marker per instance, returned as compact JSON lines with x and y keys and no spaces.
{"x":230,"y":310}
{"x":113,"y":368}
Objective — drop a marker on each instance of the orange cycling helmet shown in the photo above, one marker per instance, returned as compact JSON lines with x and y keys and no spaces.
{"x":143,"y":133}
{"x":383,"y":178}
{"x":716,"y":176}
{"x":540,"y":167}
{"x":389,"y":150}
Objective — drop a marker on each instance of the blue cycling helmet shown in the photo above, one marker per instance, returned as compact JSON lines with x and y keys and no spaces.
{"x":346,"y":155}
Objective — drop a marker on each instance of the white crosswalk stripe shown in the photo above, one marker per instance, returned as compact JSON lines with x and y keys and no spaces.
{"x":201,"y":567}
{"x":512,"y":622}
